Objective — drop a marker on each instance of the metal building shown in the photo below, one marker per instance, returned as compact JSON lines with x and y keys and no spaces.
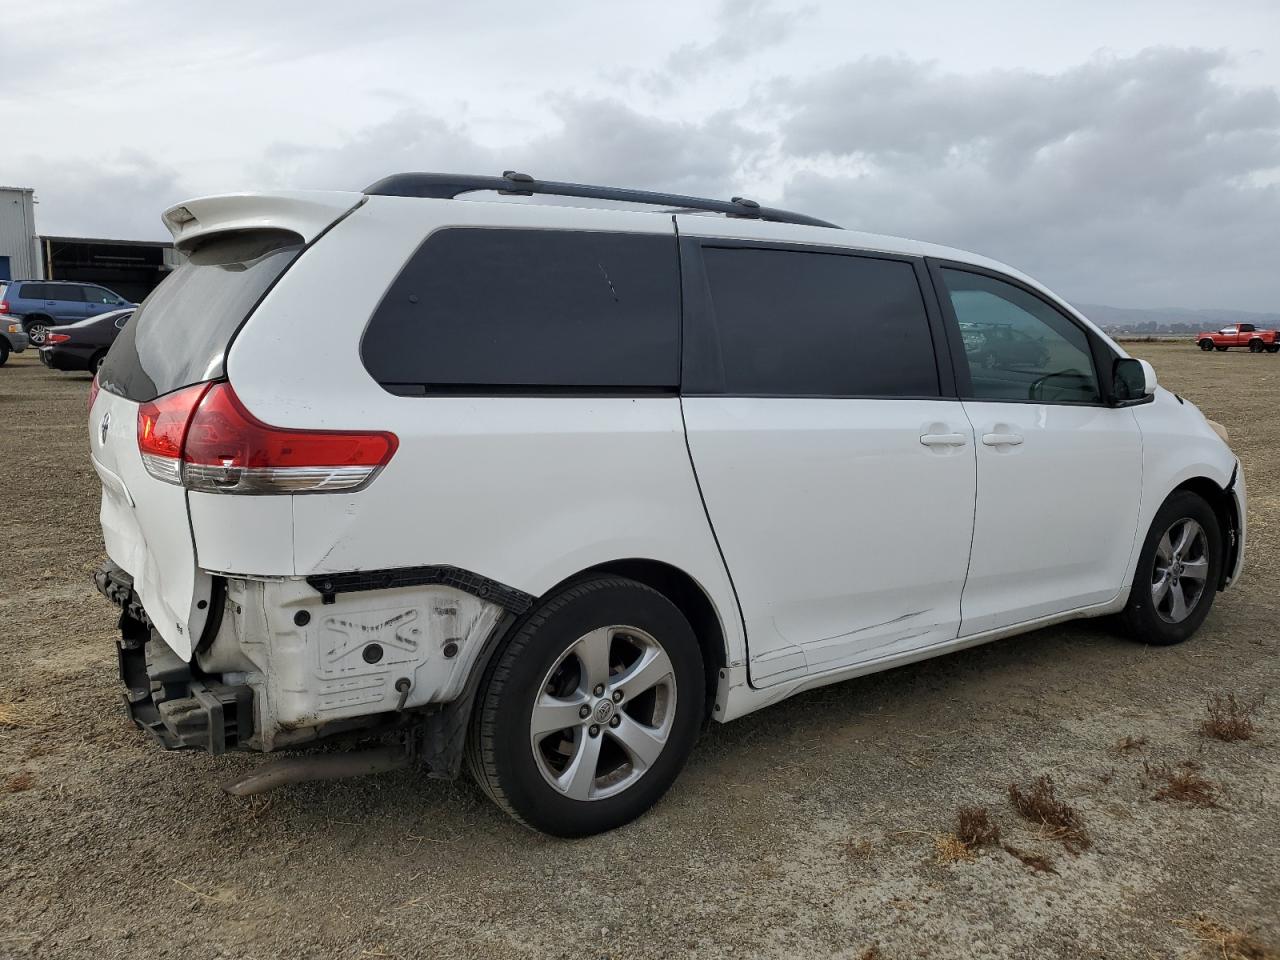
{"x":19,"y":257}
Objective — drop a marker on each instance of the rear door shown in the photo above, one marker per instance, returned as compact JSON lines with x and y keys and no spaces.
{"x":178,"y":337}
{"x":836,"y":464}
{"x":1059,"y":471}
{"x":65,"y":301}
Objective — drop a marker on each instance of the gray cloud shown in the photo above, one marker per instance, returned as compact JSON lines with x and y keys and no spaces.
{"x":598,"y":140}
{"x":118,"y":195}
{"x":1140,"y":180}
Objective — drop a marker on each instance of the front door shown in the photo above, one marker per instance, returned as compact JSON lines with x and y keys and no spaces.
{"x":1059,"y":471}
{"x":837,"y":476}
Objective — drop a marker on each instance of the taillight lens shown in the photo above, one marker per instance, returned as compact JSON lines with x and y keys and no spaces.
{"x":93,"y":391}
{"x":4,"y":306}
{"x":50,"y":338}
{"x":208,"y":441}
{"x":162,"y":426}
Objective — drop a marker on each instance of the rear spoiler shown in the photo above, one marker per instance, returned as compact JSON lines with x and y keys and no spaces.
{"x":307,"y":213}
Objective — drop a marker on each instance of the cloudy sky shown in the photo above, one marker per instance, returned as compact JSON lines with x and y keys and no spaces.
{"x":1124,"y":153}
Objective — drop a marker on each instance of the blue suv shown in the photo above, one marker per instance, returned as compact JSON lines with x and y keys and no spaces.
{"x":46,"y":303}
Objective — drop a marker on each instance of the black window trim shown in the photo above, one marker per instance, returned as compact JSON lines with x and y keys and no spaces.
{"x":699,"y":347}
{"x":1100,"y":352}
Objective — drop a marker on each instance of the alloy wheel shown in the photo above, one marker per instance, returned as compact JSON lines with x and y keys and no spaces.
{"x":604,"y":713}
{"x":1181,"y":570}
{"x":37,"y":332}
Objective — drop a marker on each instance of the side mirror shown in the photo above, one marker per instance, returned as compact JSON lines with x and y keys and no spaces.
{"x":1132,"y":381}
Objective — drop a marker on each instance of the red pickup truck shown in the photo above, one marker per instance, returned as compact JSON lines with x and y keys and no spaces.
{"x":1241,"y":335}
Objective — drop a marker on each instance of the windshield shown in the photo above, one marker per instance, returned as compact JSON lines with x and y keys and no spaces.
{"x":180,"y":334}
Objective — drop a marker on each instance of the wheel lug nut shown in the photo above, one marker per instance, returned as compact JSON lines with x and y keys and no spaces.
{"x":584,"y":711}
{"x":599,"y":689}
{"x":594,"y":730}
{"x":617,"y":696}
{"x":615,"y":721}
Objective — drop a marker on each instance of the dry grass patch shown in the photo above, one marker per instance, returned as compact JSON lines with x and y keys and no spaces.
{"x":1229,"y":719}
{"x":975,"y":828}
{"x":10,"y":715}
{"x":1129,"y":744}
{"x":1039,"y":804}
{"x":1225,"y":942}
{"x":1180,"y":784}
{"x":948,"y":848}
{"x":19,"y":782}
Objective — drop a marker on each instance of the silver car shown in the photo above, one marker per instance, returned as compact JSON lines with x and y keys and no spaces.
{"x":13,"y":339}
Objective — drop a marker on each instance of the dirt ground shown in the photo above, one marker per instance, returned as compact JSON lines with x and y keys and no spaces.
{"x":815,"y":828}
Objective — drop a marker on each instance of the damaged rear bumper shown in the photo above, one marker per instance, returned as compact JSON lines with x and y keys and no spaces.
{"x":164,"y":695}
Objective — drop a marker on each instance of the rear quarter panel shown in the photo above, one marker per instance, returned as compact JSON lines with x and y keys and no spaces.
{"x":526,"y":490}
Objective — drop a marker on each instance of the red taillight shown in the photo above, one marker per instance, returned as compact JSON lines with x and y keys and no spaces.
{"x":50,"y":338}
{"x":204,"y":438}
{"x":162,"y":426}
{"x":93,"y":391}
{"x":4,"y":306}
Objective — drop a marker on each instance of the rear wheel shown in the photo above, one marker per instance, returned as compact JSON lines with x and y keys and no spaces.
{"x":1255,"y":346}
{"x":37,"y":329}
{"x":1178,"y":571}
{"x":1221,"y":349}
{"x":591,"y":710}
{"x":1206,"y":345}
{"x":1273,"y":348}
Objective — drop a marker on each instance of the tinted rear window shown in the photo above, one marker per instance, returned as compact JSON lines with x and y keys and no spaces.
{"x":180,"y":334}
{"x":818,"y":324}
{"x":30,"y":291}
{"x":529,"y":308}
{"x":67,"y":292}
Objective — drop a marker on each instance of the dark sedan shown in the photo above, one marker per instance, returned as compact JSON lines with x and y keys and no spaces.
{"x":83,"y":345}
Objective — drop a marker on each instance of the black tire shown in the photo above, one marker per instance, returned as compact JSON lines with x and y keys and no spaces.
{"x":95,"y":362}
{"x":500,"y":747}
{"x":1142,"y":616}
{"x":1273,"y":348}
{"x":1221,"y":349}
{"x":1255,"y":346}
{"x":1206,"y":345}
{"x":4,"y":351}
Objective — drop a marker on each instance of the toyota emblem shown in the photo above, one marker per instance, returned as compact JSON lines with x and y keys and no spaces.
{"x":102,"y":431}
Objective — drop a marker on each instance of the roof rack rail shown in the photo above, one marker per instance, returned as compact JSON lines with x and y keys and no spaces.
{"x":446,"y":186}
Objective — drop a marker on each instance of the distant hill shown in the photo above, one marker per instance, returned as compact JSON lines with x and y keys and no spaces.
{"x":1172,"y":319}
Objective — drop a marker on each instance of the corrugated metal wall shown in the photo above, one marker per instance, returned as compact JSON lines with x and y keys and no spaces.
{"x":18,"y":232}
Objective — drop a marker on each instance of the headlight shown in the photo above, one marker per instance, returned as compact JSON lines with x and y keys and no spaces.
{"x":1219,"y":429}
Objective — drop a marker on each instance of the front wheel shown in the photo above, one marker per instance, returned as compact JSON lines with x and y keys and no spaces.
{"x":1206,"y":345}
{"x":589,"y":713}
{"x":4,"y":351}
{"x":1178,"y":572}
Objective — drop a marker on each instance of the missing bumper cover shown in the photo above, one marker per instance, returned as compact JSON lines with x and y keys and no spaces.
{"x":177,"y":708}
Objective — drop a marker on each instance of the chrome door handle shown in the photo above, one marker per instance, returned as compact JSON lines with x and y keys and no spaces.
{"x":997,"y":439}
{"x":943,"y":439}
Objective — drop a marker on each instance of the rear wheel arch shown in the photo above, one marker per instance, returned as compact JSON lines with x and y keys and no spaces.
{"x":689,"y":598}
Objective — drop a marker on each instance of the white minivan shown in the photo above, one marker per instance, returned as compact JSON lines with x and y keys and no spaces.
{"x":444,"y":474}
